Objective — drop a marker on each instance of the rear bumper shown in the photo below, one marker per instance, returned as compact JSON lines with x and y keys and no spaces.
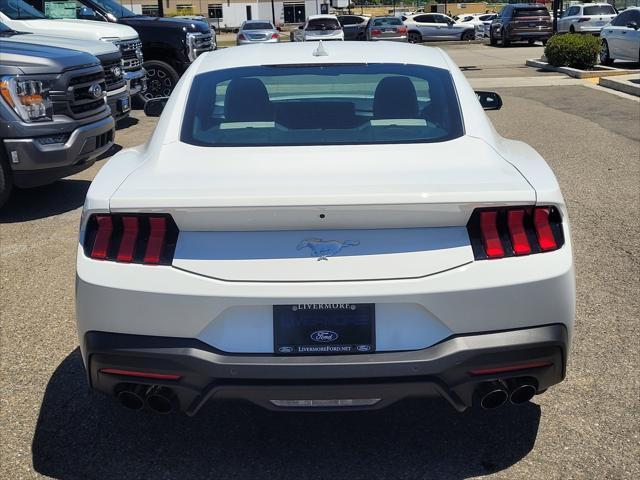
{"x":532,"y":35}
{"x":441,"y":370}
{"x":136,"y":81}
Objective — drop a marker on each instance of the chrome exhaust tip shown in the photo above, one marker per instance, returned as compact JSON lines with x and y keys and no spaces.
{"x":131,"y":396}
{"x":161,"y":400}
{"x":492,"y":395}
{"x":521,"y":391}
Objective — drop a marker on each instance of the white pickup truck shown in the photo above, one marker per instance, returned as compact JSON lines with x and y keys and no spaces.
{"x":18,"y":15}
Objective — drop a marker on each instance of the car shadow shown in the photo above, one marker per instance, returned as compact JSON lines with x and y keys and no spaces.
{"x":80,"y":434}
{"x":126,"y":123}
{"x":41,"y":202}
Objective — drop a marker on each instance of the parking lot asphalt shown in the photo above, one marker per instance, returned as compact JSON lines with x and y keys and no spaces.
{"x":586,"y":427}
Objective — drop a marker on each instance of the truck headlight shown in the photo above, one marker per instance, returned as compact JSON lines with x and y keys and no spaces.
{"x":29,"y":98}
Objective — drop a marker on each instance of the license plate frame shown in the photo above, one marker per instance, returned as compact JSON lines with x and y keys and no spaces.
{"x":124,"y":105}
{"x":324,"y":329}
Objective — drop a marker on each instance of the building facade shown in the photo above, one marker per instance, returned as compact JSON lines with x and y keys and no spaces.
{"x":231,"y":13}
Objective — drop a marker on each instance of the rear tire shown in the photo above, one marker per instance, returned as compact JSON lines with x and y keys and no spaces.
{"x":467,"y":35}
{"x":572,"y":29}
{"x":415,"y":37}
{"x":161,"y":79}
{"x":6,"y":183}
{"x":605,"y":55}
{"x":505,"y":39}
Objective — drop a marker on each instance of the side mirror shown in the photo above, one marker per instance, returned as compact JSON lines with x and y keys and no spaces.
{"x":489,"y":100}
{"x":633,"y":25}
{"x":154,"y":106}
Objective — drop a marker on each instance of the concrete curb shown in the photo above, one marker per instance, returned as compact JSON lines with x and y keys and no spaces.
{"x":628,"y":84}
{"x":600,"y":70}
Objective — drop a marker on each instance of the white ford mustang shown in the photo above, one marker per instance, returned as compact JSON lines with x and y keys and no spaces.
{"x":324,"y":227}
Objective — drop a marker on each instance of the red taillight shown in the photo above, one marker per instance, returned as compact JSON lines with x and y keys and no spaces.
{"x":375,"y":32}
{"x":490,"y":237}
{"x":131,"y":238}
{"x":505,"y":232}
{"x":103,"y":237}
{"x":510,"y":368}
{"x":133,"y":373}
{"x":275,"y":35}
{"x":543,"y":229}
{"x":402,"y":30}
{"x":241,"y":37}
{"x":519,"y":240}
{"x":158,"y":227}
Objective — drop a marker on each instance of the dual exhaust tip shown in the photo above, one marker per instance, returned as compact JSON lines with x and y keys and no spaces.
{"x":495,"y":394}
{"x":159,"y":399}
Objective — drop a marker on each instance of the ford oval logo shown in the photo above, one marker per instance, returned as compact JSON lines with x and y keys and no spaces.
{"x":324,"y":336}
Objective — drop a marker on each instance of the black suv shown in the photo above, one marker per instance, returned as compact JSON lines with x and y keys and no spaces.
{"x":521,"y":22}
{"x":169,"y":45}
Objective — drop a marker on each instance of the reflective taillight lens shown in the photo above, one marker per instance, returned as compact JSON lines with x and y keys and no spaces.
{"x":507,"y":232}
{"x":375,"y":32}
{"x":131,"y":238}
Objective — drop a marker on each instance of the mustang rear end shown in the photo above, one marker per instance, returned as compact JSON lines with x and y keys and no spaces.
{"x":321,"y":227}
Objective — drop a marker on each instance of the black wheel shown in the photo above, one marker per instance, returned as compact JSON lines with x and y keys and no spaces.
{"x":415,"y":37}
{"x":605,"y":56}
{"x":505,"y":39}
{"x":572,"y":30}
{"x":531,"y":42}
{"x":468,"y":35}
{"x":6,"y":183}
{"x":492,"y":39}
{"x":161,"y":79}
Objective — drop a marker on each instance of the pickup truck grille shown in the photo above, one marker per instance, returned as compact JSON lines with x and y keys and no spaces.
{"x":199,"y":43}
{"x":131,"y":54}
{"x":113,"y":81}
{"x":78,"y":100}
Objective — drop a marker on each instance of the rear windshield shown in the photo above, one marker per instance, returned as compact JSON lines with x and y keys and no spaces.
{"x":322,"y":105}
{"x":531,"y":12}
{"x":257,"y":26}
{"x":600,"y":10}
{"x":324,"y":24}
{"x":378,"y":22}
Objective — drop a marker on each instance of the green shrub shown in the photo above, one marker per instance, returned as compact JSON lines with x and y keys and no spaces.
{"x":573,"y":50}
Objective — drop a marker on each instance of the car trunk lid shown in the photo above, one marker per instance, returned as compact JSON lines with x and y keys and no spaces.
{"x":323,"y":213}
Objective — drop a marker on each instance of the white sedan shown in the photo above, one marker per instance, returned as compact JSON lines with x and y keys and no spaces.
{"x":621,"y":38}
{"x":324,"y":226}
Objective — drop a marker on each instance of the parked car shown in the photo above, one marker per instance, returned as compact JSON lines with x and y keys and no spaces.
{"x":21,"y":16}
{"x":54,"y":120}
{"x":322,"y":27}
{"x":435,"y":26}
{"x":169,"y":45}
{"x":486,"y":19}
{"x":106,"y":52}
{"x":354,"y":26}
{"x":521,"y":22}
{"x":397,"y":265}
{"x":621,"y":38}
{"x":586,"y":18}
{"x":474,"y":19}
{"x":257,"y":31}
{"x":386,"y":28}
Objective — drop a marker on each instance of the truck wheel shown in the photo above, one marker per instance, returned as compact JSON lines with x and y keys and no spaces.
{"x":6,"y":184}
{"x":161,"y":79}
